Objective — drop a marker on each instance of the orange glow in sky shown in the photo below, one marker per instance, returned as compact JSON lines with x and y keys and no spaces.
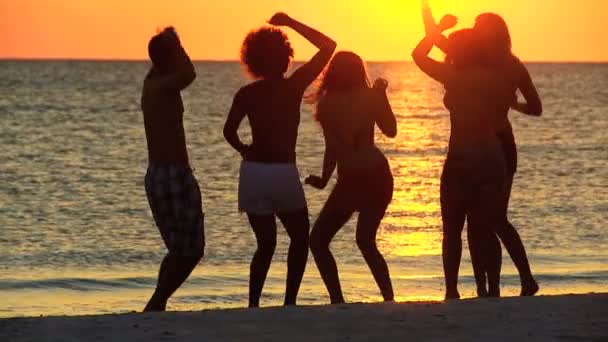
{"x":542,"y":30}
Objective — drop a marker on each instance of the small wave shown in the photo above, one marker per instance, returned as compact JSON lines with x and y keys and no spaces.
{"x":77,"y":284}
{"x":129,"y":283}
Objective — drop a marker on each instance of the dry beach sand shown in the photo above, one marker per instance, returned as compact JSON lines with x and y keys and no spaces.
{"x":558,"y":318}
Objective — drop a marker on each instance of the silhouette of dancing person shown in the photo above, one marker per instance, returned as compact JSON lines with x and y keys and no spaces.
{"x":474,"y":172}
{"x":496,"y":42}
{"x":269,"y":182}
{"x":494,"y":37}
{"x":348,"y":109}
{"x":173,"y":192}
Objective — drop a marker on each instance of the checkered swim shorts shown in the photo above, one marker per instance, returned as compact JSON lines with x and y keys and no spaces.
{"x":175,"y":199}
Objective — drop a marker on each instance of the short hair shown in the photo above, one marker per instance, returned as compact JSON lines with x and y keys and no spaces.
{"x":266,"y":52}
{"x":160,"y":50}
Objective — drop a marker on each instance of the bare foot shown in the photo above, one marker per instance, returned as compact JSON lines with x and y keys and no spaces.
{"x":155,"y":308}
{"x":529,"y":288}
{"x":452,"y":295}
{"x":154,"y":305}
{"x":482,"y":292}
{"x":338,"y":301}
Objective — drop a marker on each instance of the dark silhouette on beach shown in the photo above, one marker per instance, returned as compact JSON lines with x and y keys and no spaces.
{"x":474,"y":173}
{"x":348,"y":109}
{"x":496,"y":42}
{"x":269,"y":183}
{"x":492,"y":35}
{"x":173,"y":192}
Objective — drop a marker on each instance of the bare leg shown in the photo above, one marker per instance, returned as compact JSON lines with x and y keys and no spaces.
{"x":484,"y":215}
{"x":453,"y":216}
{"x":330,"y":221}
{"x":367,"y":228}
{"x":512,"y":241}
{"x":477,"y":259}
{"x":265,"y":229}
{"x":174,"y":270}
{"x":298,"y":227}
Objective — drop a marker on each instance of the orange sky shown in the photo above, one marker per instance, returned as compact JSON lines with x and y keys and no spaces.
{"x":545,"y":30}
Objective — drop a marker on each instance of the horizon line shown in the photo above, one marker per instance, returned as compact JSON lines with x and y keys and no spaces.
{"x":211,"y":60}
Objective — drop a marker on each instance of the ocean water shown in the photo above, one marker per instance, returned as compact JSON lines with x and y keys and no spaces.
{"x":77,"y":236}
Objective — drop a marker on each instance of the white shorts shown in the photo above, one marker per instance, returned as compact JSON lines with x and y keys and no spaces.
{"x":266,"y":189}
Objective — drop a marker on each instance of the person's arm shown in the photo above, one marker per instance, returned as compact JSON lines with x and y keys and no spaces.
{"x":436,"y":70}
{"x":385,"y":118}
{"x":430,"y":26}
{"x":235,"y":117}
{"x":329,"y":162}
{"x":308,"y":72}
{"x":533,"y":105}
{"x":184,"y":73}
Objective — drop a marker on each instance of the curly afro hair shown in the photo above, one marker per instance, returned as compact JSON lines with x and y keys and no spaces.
{"x":266,"y":52}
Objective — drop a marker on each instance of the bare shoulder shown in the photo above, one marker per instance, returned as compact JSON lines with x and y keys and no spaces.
{"x":246,"y":91}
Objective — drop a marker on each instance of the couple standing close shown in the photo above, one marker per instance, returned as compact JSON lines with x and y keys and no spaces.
{"x":481,"y":77}
{"x":348,"y":109}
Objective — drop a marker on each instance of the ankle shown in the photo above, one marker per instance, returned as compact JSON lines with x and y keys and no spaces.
{"x":452,"y":294}
{"x":494,"y":292}
{"x":338,"y":300}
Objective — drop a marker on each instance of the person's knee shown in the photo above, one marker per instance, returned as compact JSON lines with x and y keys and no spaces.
{"x":191,"y":259}
{"x":301,"y":243}
{"x":267,"y":246}
{"x":366,"y":245}
{"x":199,"y":256}
{"x":196,"y":259}
{"x":505,"y":229}
{"x":300,"y":236}
{"x":451,"y":236}
{"x":318,"y":243}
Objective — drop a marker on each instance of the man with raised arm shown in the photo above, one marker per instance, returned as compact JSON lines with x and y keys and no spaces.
{"x":173,"y":192}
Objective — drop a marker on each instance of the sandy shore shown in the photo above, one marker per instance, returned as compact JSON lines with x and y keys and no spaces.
{"x":559,"y":318}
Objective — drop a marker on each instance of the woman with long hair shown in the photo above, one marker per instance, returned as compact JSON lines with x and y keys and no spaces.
{"x":474,"y":171}
{"x":496,"y":41}
{"x":269,"y":184}
{"x":348,"y":109}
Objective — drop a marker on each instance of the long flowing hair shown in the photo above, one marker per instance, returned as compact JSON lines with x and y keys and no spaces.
{"x":495,"y":36}
{"x":345,"y":72}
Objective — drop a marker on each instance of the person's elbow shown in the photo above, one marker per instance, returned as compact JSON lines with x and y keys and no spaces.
{"x":416,"y":55}
{"x":330,"y":46}
{"x":185,"y":78}
{"x":190,"y":76}
{"x":417,"y":58}
{"x":228,"y":133}
{"x":537,"y":110}
{"x":391,"y":131}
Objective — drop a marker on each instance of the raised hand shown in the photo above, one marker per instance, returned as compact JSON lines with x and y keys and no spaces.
{"x":447,"y":22}
{"x":170,"y":33}
{"x":280,"y":19}
{"x":380,"y":84}
{"x":316,"y":182}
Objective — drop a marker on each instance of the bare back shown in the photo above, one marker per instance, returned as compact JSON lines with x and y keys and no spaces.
{"x":273,"y":109}
{"x":349,"y":119}
{"x":163,"y":112}
{"x":478,"y":100}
